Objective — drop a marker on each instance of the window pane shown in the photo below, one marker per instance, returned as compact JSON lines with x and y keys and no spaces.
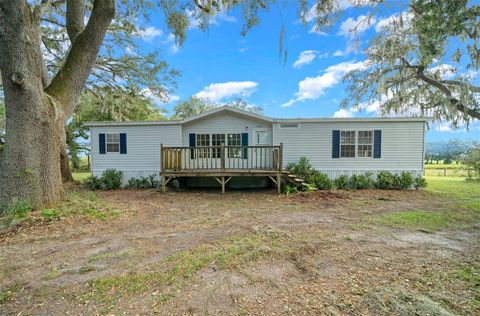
{"x":347,"y":144}
{"x":365,"y":137}
{"x":347,"y":151}
{"x":113,"y":148}
{"x":234,"y":140}
{"x":217,"y":140}
{"x":113,"y":138}
{"x":203,"y":140}
{"x":263,"y":138}
{"x":364,"y":150}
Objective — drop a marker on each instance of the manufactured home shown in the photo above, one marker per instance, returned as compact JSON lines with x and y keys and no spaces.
{"x":232,"y":144}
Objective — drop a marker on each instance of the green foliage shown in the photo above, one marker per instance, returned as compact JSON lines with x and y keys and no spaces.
{"x":289,"y":189}
{"x":194,"y":106}
{"x":321,"y":181}
{"x":360,"y":181}
{"x":92,"y":183}
{"x":423,"y":61}
{"x":143,"y":182}
{"x":341,"y":182}
{"x":111,"y":179}
{"x":406,"y":180}
{"x":386,"y":180}
{"x":472,"y":160}
{"x":50,"y":214}
{"x":419,"y":183}
{"x":15,"y":213}
{"x":303,"y":168}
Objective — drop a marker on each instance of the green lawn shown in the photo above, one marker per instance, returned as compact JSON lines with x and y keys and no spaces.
{"x":461,"y":210}
{"x":80,"y":176}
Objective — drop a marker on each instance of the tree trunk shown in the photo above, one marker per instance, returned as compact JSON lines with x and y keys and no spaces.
{"x":65,"y":165}
{"x":30,"y":167}
{"x":35,"y":112}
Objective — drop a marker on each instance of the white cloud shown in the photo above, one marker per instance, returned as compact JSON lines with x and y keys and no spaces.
{"x":170,"y":40}
{"x":215,"y":92}
{"x":316,"y":30}
{"x":343,"y":113}
{"x":149,"y":33}
{"x":306,"y":57}
{"x":339,"y":6}
{"x":352,"y":27}
{"x":311,"y":88}
{"x":445,"y":71}
{"x":338,"y":53}
{"x":388,"y":22}
{"x":443,"y":128}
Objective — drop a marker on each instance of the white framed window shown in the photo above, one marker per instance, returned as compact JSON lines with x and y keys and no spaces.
{"x":203,"y":140}
{"x":365,"y":144}
{"x":113,"y":143}
{"x":263,"y":137}
{"x":217,"y":140}
{"x":347,"y":144}
{"x":234,"y":140}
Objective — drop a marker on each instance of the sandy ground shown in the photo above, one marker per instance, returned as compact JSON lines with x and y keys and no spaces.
{"x":341,"y":266}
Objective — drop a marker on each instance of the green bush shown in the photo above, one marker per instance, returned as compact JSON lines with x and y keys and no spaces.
{"x":360,"y":181}
{"x":143,"y":182}
{"x":419,"y":183}
{"x":472,"y":161}
{"x":406,"y":180}
{"x":321,"y":181}
{"x":385,"y":180}
{"x":288,"y":189}
{"x":93,"y":183}
{"x":341,"y":182}
{"x":112,"y":179}
{"x":303,"y":168}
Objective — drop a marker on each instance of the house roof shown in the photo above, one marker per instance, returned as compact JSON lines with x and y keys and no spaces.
{"x":256,"y":116}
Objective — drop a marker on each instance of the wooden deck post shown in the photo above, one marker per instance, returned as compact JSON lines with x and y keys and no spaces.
{"x":223,"y":185}
{"x":222,"y":157}
{"x":279,"y":183}
{"x":280,"y":158}
{"x":164,"y":184}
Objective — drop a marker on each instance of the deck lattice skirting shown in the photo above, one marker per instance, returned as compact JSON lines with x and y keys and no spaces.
{"x":222,"y":163}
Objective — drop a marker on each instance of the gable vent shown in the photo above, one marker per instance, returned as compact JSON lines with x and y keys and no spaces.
{"x":289,"y":125}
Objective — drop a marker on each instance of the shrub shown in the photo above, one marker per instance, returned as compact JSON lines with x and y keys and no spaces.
{"x":341,"y":182}
{"x":472,"y":160}
{"x":112,"y":179}
{"x":92,"y":183}
{"x":406,"y":180}
{"x":288,"y":188}
{"x":321,"y":181}
{"x":360,"y":181}
{"x":303,"y":168}
{"x":419,"y":183}
{"x":143,"y":182}
{"x":385,"y":180}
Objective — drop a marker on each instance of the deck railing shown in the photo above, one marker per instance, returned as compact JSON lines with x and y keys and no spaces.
{"x":221,"y":158}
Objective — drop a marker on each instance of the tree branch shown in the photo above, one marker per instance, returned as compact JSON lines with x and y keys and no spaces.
{"x":446,"y":91}
{"x":469,"y":86}
{"x":74,"y":18}
{"x":71,"y":77}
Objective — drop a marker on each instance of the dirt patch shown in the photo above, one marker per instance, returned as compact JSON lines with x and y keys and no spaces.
{"x":322,"y":264}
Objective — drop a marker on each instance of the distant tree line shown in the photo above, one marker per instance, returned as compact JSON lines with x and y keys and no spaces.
{"x":452,"y":151}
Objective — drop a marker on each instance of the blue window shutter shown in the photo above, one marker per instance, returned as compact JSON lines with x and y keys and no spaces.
{"x":192,"y":144}
{"x":101,"y":144}
{"x":377,"y":144}
{"x":335,"y":144}
{"x":123,"y":143}
{"x":245,"y":143}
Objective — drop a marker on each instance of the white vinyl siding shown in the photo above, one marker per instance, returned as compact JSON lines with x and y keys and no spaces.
{"x":223,"y":123}
{"x":143,"y":157}
{"x":401,"y":149}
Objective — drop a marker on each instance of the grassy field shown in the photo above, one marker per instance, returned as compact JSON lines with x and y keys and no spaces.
{"x":81,"y":176}
{"x":195,"y":252}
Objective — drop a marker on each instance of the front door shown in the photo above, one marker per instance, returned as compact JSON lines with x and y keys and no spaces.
{"x":263,"y":154}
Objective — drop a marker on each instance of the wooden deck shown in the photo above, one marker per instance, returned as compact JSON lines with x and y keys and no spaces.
{"x":222,"y":163}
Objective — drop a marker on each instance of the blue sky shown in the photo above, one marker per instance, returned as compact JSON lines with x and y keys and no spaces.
{"x":221,"y":65}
